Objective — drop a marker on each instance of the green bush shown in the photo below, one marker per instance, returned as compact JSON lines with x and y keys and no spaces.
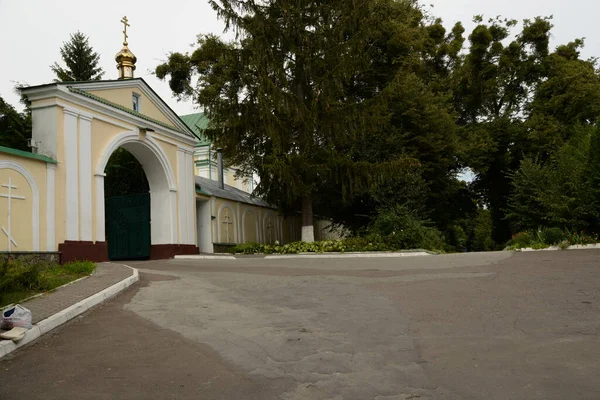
{"x":482,"y":232}
{"x":402,"y":229}
{"x":521,"y":240}
{"x":553,"y":236}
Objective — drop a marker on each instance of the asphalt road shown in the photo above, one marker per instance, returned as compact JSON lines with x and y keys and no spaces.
{"x":472,"y":326}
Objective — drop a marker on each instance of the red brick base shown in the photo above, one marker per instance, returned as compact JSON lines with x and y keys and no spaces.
{"x":72,"y":250}
{"x":165,"y":251}
{"x":98,"y":252}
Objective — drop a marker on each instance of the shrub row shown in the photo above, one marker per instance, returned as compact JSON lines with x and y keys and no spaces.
{"x":354,"y":244}
{"x":543,"y":238}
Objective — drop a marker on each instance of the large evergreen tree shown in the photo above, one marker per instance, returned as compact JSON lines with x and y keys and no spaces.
{"x":289,"y":98}
{"x":15,"y":127}
{"x":80,"y":59}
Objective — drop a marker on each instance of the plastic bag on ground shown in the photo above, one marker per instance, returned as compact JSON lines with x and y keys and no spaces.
{"x":15,"y":317}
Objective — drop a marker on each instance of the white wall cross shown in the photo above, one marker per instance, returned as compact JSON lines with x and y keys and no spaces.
{"x":227,"y":222}
{"x":10,"y":196}
{"x":269,"y":230}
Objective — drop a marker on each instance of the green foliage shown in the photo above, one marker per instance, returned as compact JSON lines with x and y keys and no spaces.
{"x":401,"y":229}
{"x":359,"y":106}
{"x":482,"y":232}
{"x":319,"y":97}
{"x":19,"y":280}
{"x":553,"y":236}
{"x":15,"y":127}
{"x":354,"y":244}
{"x":124,"y":175}
{"x":543,"y":238}
{"x":80,"y":59}
{"x":557,"y":192}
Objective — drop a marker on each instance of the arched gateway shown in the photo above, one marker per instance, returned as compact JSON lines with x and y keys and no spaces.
{"x":53,"y":199}
{"x":80,"y":125}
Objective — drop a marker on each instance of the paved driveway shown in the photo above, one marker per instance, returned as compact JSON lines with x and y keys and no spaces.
{"x":473,"y":326}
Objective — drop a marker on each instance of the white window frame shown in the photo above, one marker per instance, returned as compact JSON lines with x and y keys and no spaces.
{"x":139,"y":102}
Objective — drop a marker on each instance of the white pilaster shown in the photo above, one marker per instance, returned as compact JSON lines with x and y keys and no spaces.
{"x":190,"y":196}
{"x":72,"y":175}
{"x":50,"y":207}
{"x":181,"y":188}
{"x":85,"y":178}
{"x":100,"y":216}
{"x":259,"y":223}
{"x":173,"y":207}
{"x":238,"y":218}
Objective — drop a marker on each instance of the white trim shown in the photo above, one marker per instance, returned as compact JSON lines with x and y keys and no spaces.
{"x":163,"y":226}
{"x":35,"y":212}
{"x":122,"y":115}
{"x":190,"y":195}
{"x":50,"y":206}
{"x":100,"y":211}
{"x":173,"y":208}
{"x":144,"y":88}
{"x":239,"y":223}
{"x":72,"y":175}
{"x":85,"y":178}
{"x":63,"y":92}
{"x":214,"y":235}
{"x":133,"y":137}
{"x":181,"y":183}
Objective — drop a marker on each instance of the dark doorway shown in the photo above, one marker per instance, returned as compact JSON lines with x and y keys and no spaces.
{"x":127,"y":202}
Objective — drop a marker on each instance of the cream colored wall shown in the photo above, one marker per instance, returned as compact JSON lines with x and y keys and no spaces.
{"x":249,"y":223}
{"x":22,"y":212}
{"x":124,"y":98}
{"x":220,"y":236}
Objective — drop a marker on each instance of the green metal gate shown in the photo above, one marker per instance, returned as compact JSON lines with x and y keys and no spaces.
{"x":128,"y":227}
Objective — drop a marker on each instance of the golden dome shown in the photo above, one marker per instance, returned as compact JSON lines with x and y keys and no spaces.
{"x":125,"y":56}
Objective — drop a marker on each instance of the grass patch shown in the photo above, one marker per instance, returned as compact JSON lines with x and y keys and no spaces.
{"x":19,"y":281}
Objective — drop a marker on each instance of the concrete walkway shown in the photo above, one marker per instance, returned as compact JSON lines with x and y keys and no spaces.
{"x":57,"y":307}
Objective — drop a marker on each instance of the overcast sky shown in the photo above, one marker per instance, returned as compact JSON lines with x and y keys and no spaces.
{"x":32,"y":31}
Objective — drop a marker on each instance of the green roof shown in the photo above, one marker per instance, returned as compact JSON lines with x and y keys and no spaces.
{"x":26,"y":154}
{"x":197,"y":122}
{"x":122,"y":108}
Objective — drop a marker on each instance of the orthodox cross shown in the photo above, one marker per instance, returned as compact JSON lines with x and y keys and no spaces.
{"x":227,"y":222}
{"x":125,"y":23}
{"x":10,"y":197}
{"x":268,"y":227}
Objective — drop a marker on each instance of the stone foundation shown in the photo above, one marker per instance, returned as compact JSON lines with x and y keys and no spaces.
{"x":32,"y":257}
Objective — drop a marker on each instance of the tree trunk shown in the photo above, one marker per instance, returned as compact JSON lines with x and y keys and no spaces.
{"x":308,"y":232}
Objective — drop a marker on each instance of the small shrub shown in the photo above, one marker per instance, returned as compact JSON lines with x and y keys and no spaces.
{"x":553,"y":236}
{"x":563,"y":245}
{"x":521,"y":240}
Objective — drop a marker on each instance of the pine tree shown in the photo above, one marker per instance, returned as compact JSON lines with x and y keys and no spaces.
{"x":80,"y":59}
{"x":284,"y":99}
{"x":15,"y":127}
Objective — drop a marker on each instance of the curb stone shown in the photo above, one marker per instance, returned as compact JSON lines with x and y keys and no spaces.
{"x":350,"y":255}
{"x":573,"y":247}
{"x":54,"y":321}
{"x":203,"y":257}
